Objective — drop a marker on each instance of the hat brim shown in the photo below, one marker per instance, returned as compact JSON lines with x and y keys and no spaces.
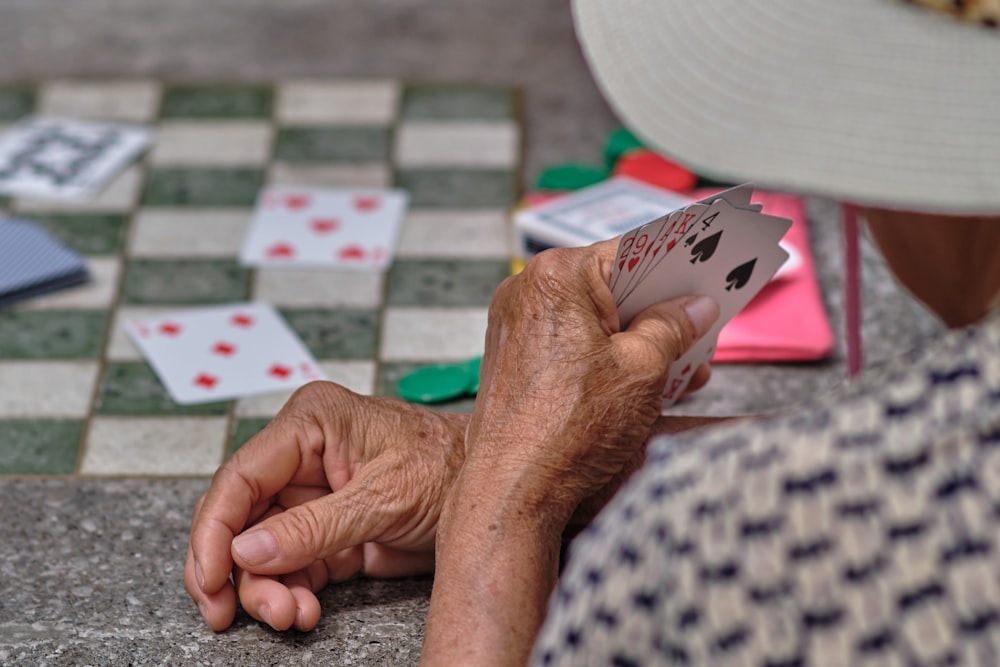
{"x":870,"y":101}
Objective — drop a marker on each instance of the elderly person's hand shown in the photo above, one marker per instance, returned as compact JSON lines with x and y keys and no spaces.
{"x":566,"y":403}
{"x":336,"y":485}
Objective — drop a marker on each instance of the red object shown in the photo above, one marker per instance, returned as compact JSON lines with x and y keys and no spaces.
{"x":170,"y":329}
{"x":786,"y":321}
{"x":241,"y":320}
{"x":206,"y":381}
{"x":225,"y":349}
{"x":279,"y":371}
{"x":649,"y":167}
{"x":280,"y":251}
{"x":366,"y":203}
{"x":324,"y":225}
{"x":536,"y":198}
{"x":351,"y":252}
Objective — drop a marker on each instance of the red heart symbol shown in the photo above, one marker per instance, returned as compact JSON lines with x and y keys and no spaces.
{"x":632,"y":262}
{"x":296,"y":202}
{"x":170,"y":329}
{"x":206,"y":381}
{"x":279,"y":371}
{"x":280,"y":251}
{"x":224,"y":349}
{"x":324,"y":225}
{"x":366,"y":203}
{"x":351,"y":252}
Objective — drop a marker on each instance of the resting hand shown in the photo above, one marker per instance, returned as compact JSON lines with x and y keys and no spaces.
{"x":336,"y":485}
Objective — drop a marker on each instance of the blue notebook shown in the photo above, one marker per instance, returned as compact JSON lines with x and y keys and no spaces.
{"x":33,"y":263}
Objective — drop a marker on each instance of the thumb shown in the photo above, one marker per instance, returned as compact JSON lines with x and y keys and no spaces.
{"x":672,"y":327}
{"x":291,"y":540}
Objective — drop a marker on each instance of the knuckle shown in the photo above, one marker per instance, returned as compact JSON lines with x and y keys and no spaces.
{"x":304,"y":528}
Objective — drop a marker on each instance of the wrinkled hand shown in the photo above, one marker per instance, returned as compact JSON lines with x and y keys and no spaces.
{"x":336,"y":485}
{"x":567,"y":400}
{"x":567,"y":397}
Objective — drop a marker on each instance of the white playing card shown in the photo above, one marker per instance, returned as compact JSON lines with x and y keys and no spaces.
{"x":65,"y":159}
{"x":722,"y":232}
{"x":223,"y":352}
{"x":767,"y":259}
{"x":334,"y":228}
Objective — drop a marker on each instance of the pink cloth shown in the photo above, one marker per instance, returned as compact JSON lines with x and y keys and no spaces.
{"x":786,"y":321}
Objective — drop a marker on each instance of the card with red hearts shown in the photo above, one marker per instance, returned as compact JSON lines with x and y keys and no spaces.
{"x":223,"y":352}
{"x":321,"y":227}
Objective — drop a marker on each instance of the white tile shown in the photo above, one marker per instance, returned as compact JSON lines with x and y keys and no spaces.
{"x":422,"y":334}
{"x":473,"y":234}
{"x":330,"y":175}
{"x":457,"y":144}
{"x":98,"y":293}
{"x":130,"y":101}
{"x":180,"y":232}
{"x":120,"y":347}
{"x":212,"y":144}
{"x":307,"y":288}
{"x":337,"y":102}
{"x":46,"y":388}
{"x":154,"y":446}
{"x":119,"y":196}
{"x":358,"y":376}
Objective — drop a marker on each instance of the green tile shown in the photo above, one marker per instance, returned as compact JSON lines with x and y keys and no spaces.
{"x":445,"y":282}
{"x":332,"y":144}
{"x":15,"y":102}
{"x":52,"y":334}
{"x":86,"y":233}
{"x":39,"y":446}
{"x":217,"y":102}
{"x":391,"y":372}
{"x":132,"y":388}
{"x":342,"y":333}
{"x":246,"y":428}
{"x":202,"y":187}
{"x":184,"y":281}
{"x":450,"y":188}
{"x":453,"y":103}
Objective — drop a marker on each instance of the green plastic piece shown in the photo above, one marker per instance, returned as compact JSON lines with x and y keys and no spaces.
{"x":618,"y":143}
{"x":571,"y":176}
{"x":433,"y":384}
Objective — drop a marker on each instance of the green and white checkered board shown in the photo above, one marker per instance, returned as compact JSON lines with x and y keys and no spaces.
{"x":76,"y":398}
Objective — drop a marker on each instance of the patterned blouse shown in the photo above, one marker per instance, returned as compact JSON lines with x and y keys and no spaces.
{"x":864,"y":529}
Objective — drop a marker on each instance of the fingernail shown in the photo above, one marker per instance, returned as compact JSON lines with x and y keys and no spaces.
{"x":256,"y":547}
{"x":264,"y":611}
{"x":198,"y":575}
{"x":703,"y":312}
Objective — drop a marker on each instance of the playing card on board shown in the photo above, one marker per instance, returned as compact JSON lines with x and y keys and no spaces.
{"x":65,"y":159}
{"x":223,"y":352}
{"x":335,"y":228}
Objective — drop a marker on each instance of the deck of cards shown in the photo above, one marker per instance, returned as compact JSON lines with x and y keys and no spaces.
{"x":54,"y":158}
{"x":33,"y":263}
{"x":592,"y":214}
{"x":722,"y":247}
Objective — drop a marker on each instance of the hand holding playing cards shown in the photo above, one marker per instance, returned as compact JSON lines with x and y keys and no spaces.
{"x":336,"y":485}
{"x":566,"y":403}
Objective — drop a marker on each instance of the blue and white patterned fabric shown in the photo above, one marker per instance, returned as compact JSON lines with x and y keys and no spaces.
{"x":864,"y":529}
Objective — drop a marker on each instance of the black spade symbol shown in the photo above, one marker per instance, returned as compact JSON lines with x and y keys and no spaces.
{"x":704,"y":249}
{"x":739,"y":276}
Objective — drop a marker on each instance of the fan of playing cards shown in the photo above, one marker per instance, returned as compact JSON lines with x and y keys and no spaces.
{"x":722,"y":247}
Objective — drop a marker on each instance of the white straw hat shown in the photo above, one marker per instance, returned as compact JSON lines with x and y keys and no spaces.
{"x":870,"y":101}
